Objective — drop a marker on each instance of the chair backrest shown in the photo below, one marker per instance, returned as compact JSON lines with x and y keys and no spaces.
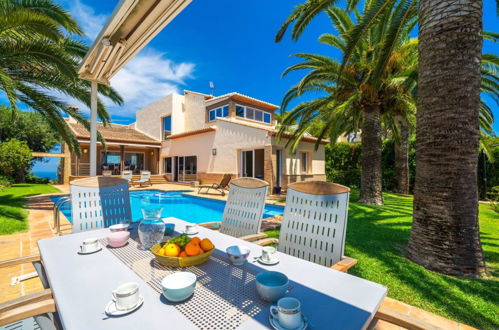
{"x":107,"y":173}
{"x":145,"y":175}
{"x":225,"y":180}
{"x":127,"y":175}
{"x":98,"y":202}
{"x":244,"y":208}
{"x":315,"y":222}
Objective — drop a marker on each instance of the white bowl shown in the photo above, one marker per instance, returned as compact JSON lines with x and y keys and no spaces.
{"x":118,"y":227}
{"x":238,"y":254}
{"x":178,"y":286}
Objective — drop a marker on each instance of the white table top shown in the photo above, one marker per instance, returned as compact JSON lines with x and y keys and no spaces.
{"x":82,"y":286}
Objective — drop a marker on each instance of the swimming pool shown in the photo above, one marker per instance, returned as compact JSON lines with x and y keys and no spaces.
{"x":177,"y":204}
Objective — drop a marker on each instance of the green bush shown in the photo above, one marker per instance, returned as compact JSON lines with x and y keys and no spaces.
{"x":31,"y":178}
{"x":15,"y":159}
{"x":5,"y":181}
{"x":343,"y":164}
{"x":493,"y":197}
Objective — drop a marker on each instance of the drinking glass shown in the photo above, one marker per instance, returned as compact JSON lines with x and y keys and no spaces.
{"x":151,"y":228}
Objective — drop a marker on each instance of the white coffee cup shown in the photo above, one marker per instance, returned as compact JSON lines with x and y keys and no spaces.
{"x":268,"y":253}
{"x":89,"y":245}
{"x":191,"y":229}
{"x":126,"y":296}
{"x":287,"y":312}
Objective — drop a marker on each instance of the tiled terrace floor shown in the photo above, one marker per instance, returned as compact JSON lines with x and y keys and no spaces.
{"x":40,"y":226}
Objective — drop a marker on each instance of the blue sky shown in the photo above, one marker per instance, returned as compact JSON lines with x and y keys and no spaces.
{"x":228,"y":42}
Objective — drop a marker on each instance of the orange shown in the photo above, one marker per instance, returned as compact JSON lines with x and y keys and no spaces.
{"x":182,"y":254}
{"x":207,"y":245}
{"x":192,"y":249}
{"x":172,"y":250}
{"x":196,"y":240}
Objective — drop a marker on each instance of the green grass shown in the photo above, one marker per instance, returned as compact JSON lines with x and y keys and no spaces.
{"x":13,"y":215}
{"x":377,"y":236}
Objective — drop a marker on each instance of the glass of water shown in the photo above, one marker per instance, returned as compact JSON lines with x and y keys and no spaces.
{"x":151,"y":229}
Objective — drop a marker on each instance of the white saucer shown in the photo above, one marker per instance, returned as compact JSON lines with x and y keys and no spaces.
{"x":268,"y":262}
{"x":111,"y":309}
{"x":274,"y":322}
{"x":183,"y":232}
{"x":90,"y":252}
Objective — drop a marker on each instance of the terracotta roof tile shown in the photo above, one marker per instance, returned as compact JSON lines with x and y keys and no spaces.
{"x":114,"y":132}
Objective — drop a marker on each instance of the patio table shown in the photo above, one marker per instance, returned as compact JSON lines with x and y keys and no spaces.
{"x":82,"y":286}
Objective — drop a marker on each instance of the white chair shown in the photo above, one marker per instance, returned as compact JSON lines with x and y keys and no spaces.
{"x":99,"y":202}
{"x":244,"y":209}
{"x":145,"y":178}
{"x":127,"y":175}
{"x":315,"y":223}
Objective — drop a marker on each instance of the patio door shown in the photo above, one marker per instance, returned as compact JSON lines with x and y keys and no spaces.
{"x":248,"y":163}
{"x":278,"y":167}
{"x":186,"y":168}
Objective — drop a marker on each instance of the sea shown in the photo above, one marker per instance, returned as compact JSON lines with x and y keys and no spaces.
{"x":51,"y":175}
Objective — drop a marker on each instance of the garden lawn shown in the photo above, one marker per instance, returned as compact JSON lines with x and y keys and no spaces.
{"x":13,"y":215}
{"x":377,"y":236}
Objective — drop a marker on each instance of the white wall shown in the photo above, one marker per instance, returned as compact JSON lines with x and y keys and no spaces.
{"x":194,"y":111}
{"x":230,"y":139}
{"x":148,"y":118}
{"x":293,"y":161}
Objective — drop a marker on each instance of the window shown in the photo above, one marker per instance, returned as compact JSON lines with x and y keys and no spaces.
{"x":218,"y":113}
{"x":239,"y":111}
{"x":250,"y":113}
{"x":258,"y":115}
{"x":167,"y":126}
{"x":266,"y":117}
{"x":111,"y":157}
{"x":168,"y":165}
{"x":253,"y":114}
{"x":304,"y":161}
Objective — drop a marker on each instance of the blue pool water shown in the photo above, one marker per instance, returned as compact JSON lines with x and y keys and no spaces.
{"x":176,"y":204}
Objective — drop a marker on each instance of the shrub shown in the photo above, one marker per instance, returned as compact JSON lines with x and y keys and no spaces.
{"x":493,"y":197}
{"x":15,"y":159}
{"x":31,"y":178}
{"x":5,"y":181}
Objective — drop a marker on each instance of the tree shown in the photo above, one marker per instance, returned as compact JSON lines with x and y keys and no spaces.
{"x":445,"y":235}
{"x":15,"y":158}
{"x":30,"y":127}
{"x":363,"y":94}
{"x":39,"y":58}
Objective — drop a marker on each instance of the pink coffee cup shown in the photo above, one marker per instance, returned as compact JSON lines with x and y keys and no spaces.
{"x":118,"y":239}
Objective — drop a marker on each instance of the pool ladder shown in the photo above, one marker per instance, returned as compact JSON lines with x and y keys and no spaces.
{"x":57,"y":216}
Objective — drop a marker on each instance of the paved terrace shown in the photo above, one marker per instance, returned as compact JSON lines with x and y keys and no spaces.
{"x":40,"y":226}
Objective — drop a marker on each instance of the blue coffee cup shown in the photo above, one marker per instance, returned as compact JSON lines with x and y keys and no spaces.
{"x":271,"y":286}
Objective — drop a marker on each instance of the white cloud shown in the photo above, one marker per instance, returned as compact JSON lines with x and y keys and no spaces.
{"x":90,"y":22}
{"x":146,"y":78}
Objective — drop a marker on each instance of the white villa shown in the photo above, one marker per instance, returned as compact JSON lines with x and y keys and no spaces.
{"x":199,"y":137}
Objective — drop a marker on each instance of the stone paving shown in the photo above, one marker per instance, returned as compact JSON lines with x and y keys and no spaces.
{"x":40,"y":226}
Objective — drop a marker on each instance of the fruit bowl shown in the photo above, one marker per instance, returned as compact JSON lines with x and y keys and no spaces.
{"x":180,"y":261}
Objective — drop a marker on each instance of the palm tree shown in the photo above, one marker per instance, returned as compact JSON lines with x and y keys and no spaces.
{"x":360,"y":95}
{"x":39,"y":60}
{"x":445,"y":235}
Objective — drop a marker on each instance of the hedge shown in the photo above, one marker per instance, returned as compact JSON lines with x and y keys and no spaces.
{"x":343,"y":166}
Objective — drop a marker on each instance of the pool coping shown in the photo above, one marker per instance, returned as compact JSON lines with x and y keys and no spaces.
{"x":187,"y":192}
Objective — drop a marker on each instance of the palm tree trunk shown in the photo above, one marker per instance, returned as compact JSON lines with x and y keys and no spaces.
{"x":445,"y":235}
{"x":402,"y":157}
{"x":370,"y":178}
